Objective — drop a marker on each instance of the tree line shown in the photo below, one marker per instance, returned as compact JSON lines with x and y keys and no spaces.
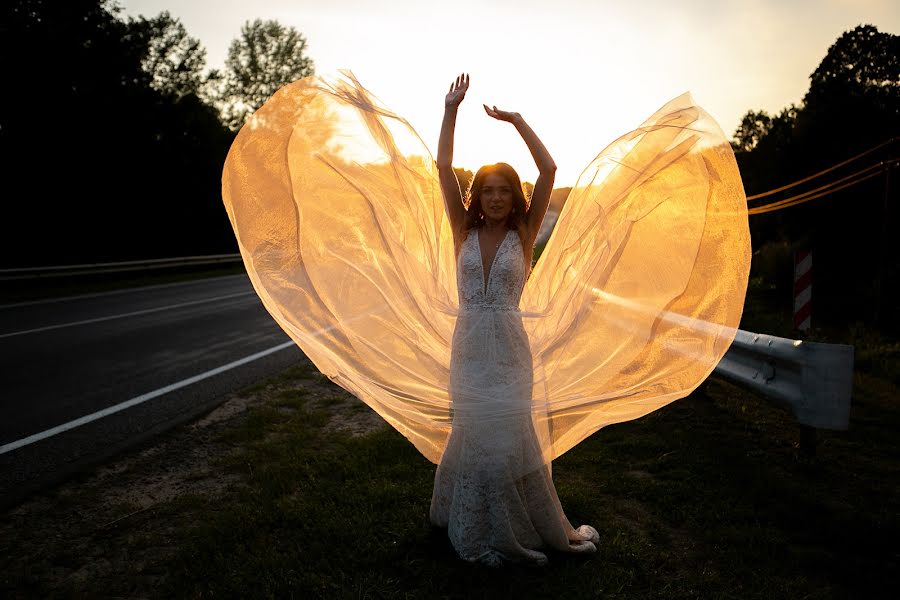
{"x":851,"y":106}
{"x":113,"y":133}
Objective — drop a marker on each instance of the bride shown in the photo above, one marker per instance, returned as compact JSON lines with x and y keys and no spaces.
{"x":426,"y":308}
{"x":494,"y":514}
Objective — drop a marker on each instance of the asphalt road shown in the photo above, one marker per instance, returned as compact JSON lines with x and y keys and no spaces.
{"x":69,"y":367}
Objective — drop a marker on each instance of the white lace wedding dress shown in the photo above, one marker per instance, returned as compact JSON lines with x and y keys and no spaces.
{"x":492,"y":489}
{"x":337,"y":209}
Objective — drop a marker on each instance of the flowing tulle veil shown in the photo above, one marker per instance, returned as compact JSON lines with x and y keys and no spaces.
{"x":342,"y":227}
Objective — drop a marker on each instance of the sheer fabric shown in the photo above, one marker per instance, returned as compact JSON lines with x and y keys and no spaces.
{"x":341,"y":224}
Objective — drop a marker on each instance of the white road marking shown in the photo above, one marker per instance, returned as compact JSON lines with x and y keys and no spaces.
{"x":131,"y":314}
{"x":139,"y":399}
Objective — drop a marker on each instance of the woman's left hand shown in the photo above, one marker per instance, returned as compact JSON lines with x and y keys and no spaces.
{"x":501,"y":115}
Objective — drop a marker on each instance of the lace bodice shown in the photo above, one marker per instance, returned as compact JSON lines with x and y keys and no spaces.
{"x":506,"y":276}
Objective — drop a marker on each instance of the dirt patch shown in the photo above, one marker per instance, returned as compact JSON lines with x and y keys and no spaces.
{"x":112,"y":526}
{"x":349,"y":415}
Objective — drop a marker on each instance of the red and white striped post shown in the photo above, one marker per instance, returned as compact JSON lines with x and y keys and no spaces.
{"x":802,"y":318}
{"x":802,"y":289}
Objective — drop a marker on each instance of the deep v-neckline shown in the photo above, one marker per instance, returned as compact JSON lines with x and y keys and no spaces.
{"x":485,"y":281}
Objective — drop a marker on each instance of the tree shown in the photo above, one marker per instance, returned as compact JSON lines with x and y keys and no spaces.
{"x":265,"y":57}
{"x":68,"y":85}
{"x":853,"y":100}
{"x":754,"y":127}
{"x":862,"y":62}
{"x":173,"y":60}
{"x":781,"y":128}
{"x":100,"y":163}
{"x":853,"y":105}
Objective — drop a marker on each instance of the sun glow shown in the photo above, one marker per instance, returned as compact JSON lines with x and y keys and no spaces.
{"x":580,"y":73}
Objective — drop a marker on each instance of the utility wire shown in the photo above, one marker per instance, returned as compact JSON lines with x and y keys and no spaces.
{"x":822,"y":172}
{"x":800,"y":200}
{"x":881,"y":166}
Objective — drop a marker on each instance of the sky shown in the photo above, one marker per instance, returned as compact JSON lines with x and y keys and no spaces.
{"x":580,"y":72}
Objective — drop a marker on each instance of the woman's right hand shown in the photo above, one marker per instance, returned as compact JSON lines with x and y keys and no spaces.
{"x":457,"y":91}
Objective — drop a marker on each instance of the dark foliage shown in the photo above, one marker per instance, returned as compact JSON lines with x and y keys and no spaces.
{"x":99,"y":163}
{"x":853,"y":104}
{"x":266,"y":56}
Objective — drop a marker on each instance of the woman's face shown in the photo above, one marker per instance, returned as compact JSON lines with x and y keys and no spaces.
{"x":496,"y":197}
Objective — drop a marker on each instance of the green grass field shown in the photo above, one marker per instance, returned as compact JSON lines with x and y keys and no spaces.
{"x":709,"y":497}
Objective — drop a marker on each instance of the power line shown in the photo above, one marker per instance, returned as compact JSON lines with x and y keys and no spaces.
{"x":822,"y":190}
{"x":822,"y":172}
{"x":800,"y":199}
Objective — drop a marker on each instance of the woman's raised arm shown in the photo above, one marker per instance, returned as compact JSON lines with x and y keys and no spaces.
{"x":449,"y":183}
{"x":540,"y":196}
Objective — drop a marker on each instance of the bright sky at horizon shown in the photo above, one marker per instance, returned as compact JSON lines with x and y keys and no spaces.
{"x":580,"y":72}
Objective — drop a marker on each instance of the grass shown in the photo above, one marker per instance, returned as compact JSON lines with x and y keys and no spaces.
{"x":710,"y":497}
{"x":706,"y":498}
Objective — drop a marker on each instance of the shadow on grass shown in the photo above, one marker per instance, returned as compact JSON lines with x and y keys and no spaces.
{"x":708,"y":497}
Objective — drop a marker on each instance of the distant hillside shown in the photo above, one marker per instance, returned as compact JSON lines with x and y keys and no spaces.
{"x":558,"y":198}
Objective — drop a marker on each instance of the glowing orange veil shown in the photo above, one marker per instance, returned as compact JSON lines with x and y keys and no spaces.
{"x":339,"y":217}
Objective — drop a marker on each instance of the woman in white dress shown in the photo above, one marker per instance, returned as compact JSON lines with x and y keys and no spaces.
{"x":426,"y":311}
{"x":492,"y":490}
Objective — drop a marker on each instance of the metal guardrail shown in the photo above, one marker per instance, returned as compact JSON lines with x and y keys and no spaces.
{"x":813,"y":380}
{"x":114,"y":267}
